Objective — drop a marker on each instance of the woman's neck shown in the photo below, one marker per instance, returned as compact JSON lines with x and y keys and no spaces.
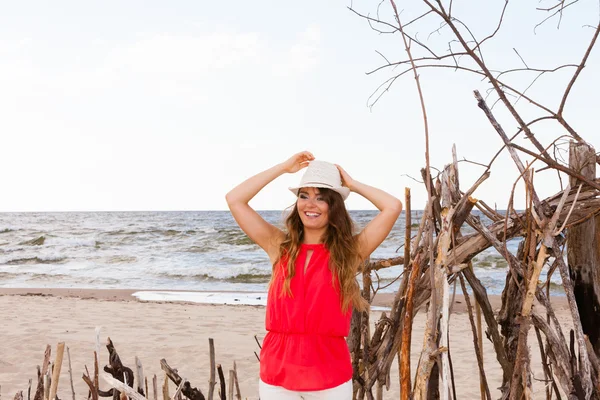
{"x":313,"y":237}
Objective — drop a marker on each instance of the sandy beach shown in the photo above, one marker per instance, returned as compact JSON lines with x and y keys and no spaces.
{"x":179,"y":332}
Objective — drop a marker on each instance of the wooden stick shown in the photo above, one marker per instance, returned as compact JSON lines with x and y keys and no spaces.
{"x":47,"y":385}
{"x":190,"y":392}
{"x":238,"y":394}
{"x":139,"y":371}
{"x":90,"y":383}
{"x":584,"y":362}
{"x":178,"y":391}
{"x":405,"y":375}
{"x":165,"y":388}
{"x":257,"y":342}
{"x":71,"y":373}
{"x":547,"y":373}
{"x":96,"y":381}
{"x":222,"y":382}
{"x":230,"y":386}
{"x":155,"y":387}
{"x":39,"y":392}
{"x":480,"y":344}
{"x":122,"y":387}
{"x":211,"y":381}
{"x":478,"y":353}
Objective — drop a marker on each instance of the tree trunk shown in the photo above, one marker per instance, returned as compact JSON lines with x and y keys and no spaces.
{"x":583,"y":253}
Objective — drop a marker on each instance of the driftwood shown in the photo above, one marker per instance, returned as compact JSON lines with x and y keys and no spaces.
{"x":117,"y":370}
{"x":39,"y":393}
{"x":583,"y":251}
{"x":186,"y":388}
{"x":60,"y":349}
{"x":441,"y":251}
{"x":124,"y":389}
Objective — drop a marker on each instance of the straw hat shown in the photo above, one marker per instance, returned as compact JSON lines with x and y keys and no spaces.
{"x":321,"y":174}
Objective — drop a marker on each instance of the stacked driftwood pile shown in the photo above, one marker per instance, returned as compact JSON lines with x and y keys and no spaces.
{"x":560,"y":234}
{"x":124,"y":383}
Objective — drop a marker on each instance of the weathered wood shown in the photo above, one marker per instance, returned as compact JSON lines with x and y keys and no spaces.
{"x":177,"y":394}
{"x":485,"y":393}
{"x":238,"y":394}
{"x":479,"y":333}
{"x":439,"y":286}
{"x":404,"y":356}
{"x":92,"y":389}
{"x":39,"y":392}
{"x":155,"y":387}
{"x":230,"y":386}
{"x":47,"y":383}
{"x":139,"y":374}
{"x":584,"y":367}
{"x":117,"y":370}
{"x":548,"y":377}
{"x":121,"y":386}
{"x":222,"y":384}
{"x":353,"y":341}
{"x":60,"y":349}
{"x":211,"y":381}
{"x":583,"y":251}
{"x":70,"y":373}
{"x":96,"y":372}
{"x":187,"y":389}
{"x":165,"y":388}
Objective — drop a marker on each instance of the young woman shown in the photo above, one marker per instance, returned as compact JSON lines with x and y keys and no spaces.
{"x":313,"y":287}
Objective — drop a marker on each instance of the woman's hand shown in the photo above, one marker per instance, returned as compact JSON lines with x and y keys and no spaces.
{"x":346,"y":179}
{"x":298,"y":161}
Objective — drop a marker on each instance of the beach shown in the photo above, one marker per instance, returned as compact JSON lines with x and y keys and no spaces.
{"x":179,"y":332}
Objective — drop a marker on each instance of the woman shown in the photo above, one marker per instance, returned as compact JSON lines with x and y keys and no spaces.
{"x":313,"y":286}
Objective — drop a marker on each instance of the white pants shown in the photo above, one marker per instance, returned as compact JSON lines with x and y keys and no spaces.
{"x":270,"y":392}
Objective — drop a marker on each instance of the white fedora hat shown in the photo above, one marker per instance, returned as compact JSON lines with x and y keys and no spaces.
{"x":321,"y":174}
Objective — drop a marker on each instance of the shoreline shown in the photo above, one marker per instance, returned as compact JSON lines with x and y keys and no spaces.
{"x":381,"y":300}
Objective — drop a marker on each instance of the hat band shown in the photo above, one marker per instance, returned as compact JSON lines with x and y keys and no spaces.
{"x":318,"y":183}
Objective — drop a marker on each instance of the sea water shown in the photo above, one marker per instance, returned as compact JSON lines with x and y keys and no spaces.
{"x":185,"y":251}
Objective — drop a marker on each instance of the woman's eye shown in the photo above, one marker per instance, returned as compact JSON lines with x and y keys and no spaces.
{"x":320,"y":199}
{"x":303,"y":196}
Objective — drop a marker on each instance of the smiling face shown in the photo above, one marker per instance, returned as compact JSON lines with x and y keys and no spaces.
{"x":313,"y":209}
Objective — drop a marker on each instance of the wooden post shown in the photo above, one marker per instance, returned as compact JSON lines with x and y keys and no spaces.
{"x":165,"y":388}
{"x":155,"y":387}
{"x":212,"y":382}
{"x":139,"y":375}
{"x":583,"y":253}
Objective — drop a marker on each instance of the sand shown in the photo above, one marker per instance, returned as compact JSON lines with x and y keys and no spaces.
{"x":179,"y":333}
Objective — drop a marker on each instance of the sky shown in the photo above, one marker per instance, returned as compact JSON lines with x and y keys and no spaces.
{"x":154,"y":105}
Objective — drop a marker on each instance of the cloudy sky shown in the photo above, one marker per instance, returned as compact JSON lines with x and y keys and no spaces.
{"x":156,"y":105}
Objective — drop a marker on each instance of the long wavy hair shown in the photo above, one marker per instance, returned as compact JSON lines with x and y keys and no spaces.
{"x":344,"y":256}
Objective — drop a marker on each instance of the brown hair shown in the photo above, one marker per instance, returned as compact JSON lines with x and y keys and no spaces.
{"x":344,"y":256}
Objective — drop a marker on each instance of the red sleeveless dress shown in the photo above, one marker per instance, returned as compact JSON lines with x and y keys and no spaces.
{"x":305,"y":347}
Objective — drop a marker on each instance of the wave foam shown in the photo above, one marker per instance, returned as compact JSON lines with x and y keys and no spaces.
{"x":228,"y":298}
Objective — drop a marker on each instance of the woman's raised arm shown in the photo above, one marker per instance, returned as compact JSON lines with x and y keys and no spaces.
{"x":377,"y":230}
{"x":267,"y":236}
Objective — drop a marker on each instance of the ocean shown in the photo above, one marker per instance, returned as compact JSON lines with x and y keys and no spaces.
{"x":191,"y":250}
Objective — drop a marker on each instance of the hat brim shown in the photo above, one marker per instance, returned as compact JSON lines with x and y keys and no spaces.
{"x":343,"y":191}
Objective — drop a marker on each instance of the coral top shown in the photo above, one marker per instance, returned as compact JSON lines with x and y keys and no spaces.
{"x":305,"y":347}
